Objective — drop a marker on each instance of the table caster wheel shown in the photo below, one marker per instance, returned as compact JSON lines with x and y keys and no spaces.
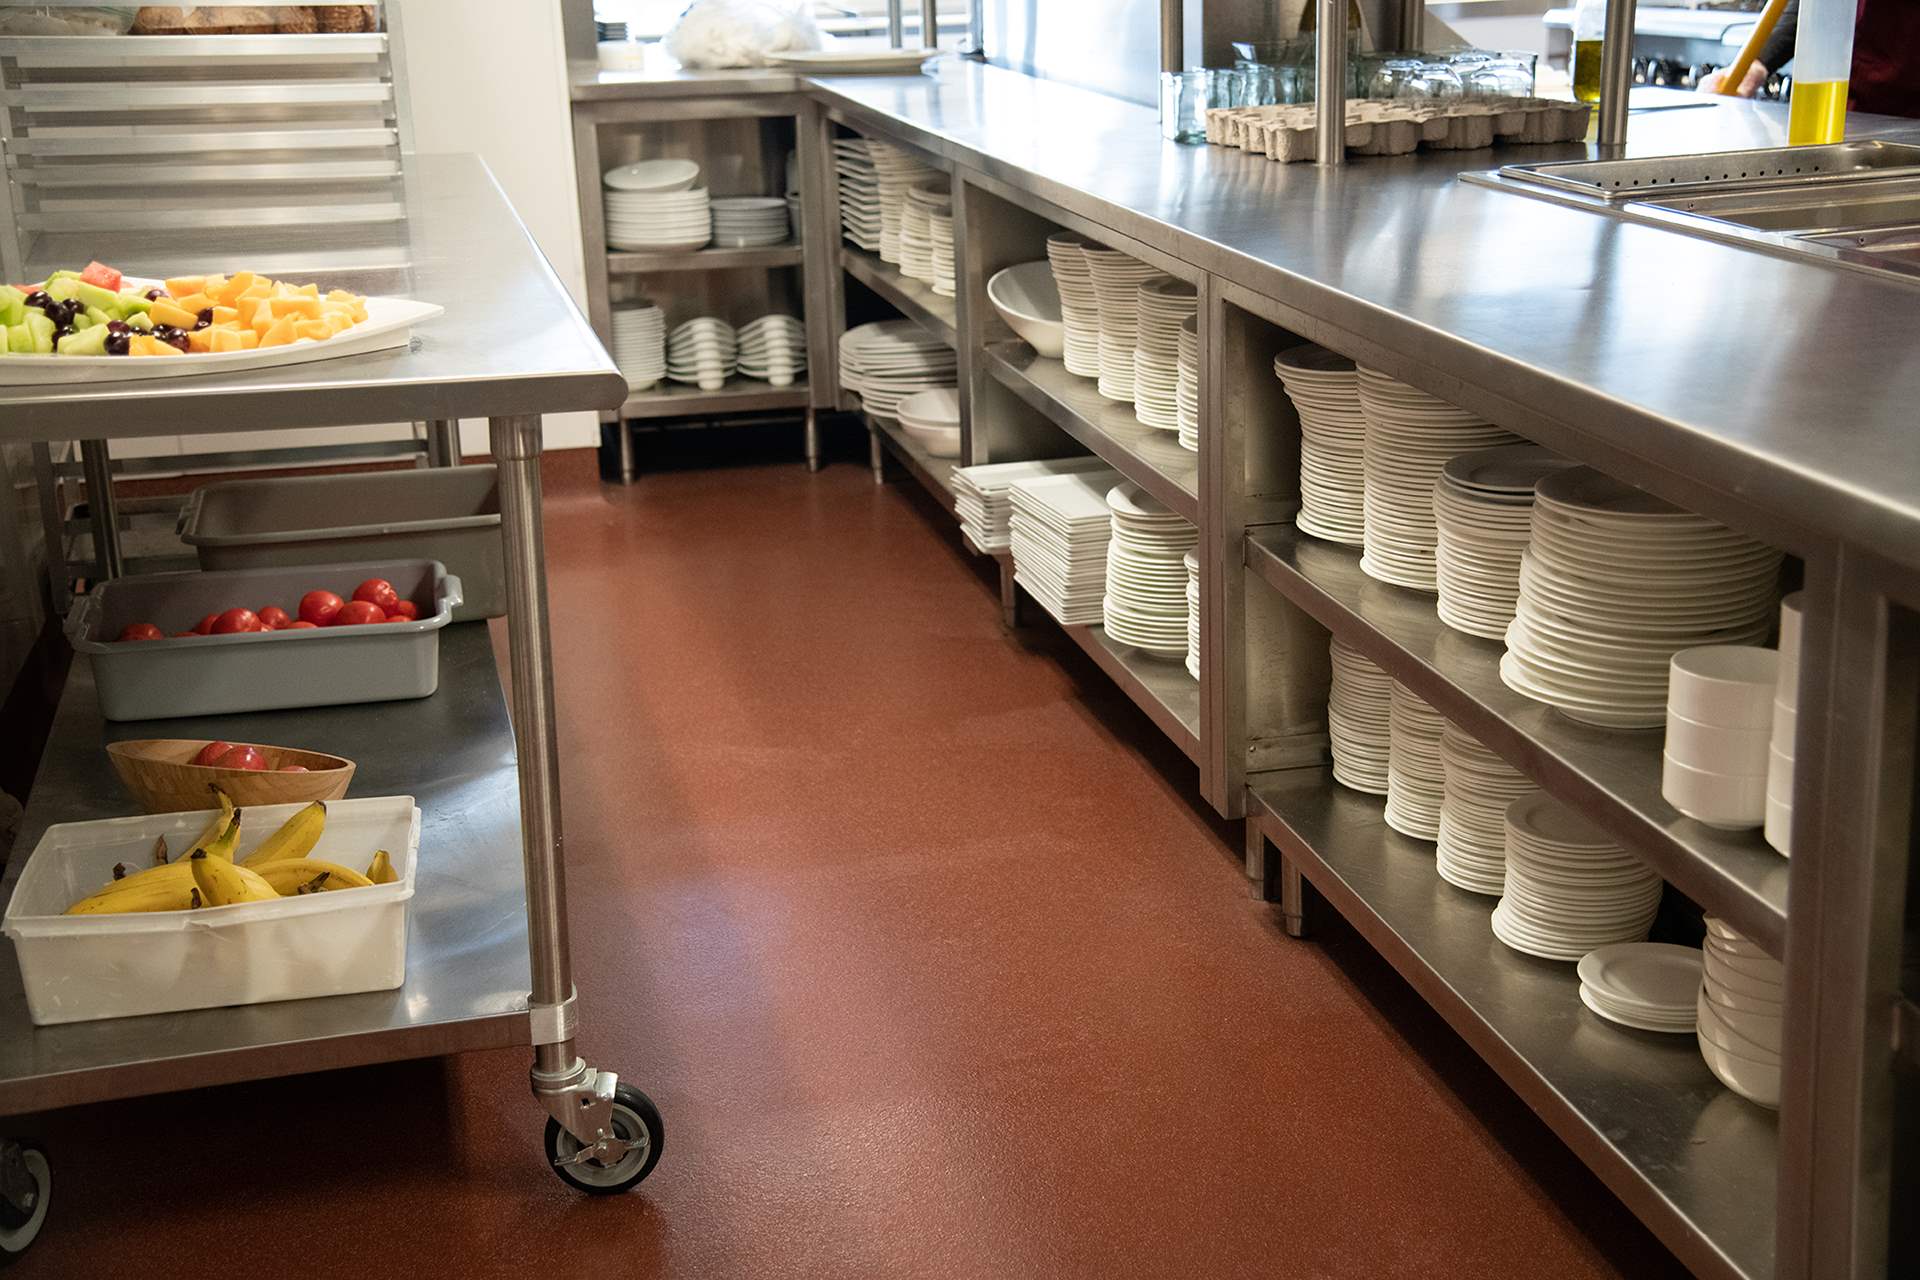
{"x":635,"y":1120}
{"x":26,"y":1188}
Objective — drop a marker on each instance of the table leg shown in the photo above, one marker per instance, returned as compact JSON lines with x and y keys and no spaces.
{"x":625,"y":436}
{"x":813,"y":440}
{"x":443,"y":443}
{"x":876,"y":455}
{"x":97,"y":464}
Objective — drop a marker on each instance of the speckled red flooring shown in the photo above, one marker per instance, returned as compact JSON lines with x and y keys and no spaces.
{"x":919,"y":938}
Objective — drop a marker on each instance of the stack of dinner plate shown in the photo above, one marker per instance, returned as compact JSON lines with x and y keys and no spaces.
{"x":640,"y":344}
{"x":1416,"y":780}
{"x":1651,"y":986}
{"x":896,"y":173}
{"x":1569,"y":887}
{"x":1193,"y":614}
{"x":889,"y":360}
{"x":1613,"y":583}
{"x":1325,"y":389}
{"x":1059,"y":531}
{"x":1079,"y":304}
{"x":859,"y":185}
{"x":1146,"y":602}
{"x":1410,"y":436}
{"x":983,"y":501}
{"x":916,"y":227}
{"x":1164,"y":304}
{"x":1741,"y":1009}
{"x":705,"y":352}
{"x":1116,"y":283}
{"x":940,"y":228}
{"x":654,"y":205}
{"x":1186,"y":398}
{"x":1472,"y":851}
{"x":1359,"y":704}
{"x":747,"y":222}
{"x":773,"y":349}
{"x":1483,"y":508}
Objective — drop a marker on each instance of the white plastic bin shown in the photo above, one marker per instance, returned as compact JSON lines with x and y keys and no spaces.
{"x":78,"y":968}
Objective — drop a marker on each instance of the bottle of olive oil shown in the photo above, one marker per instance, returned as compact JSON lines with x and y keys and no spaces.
{"x":1589,"y":24}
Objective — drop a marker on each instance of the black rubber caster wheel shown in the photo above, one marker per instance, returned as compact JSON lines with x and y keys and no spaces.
{"x":20,"y":1223}
{"x":636,"y":1120}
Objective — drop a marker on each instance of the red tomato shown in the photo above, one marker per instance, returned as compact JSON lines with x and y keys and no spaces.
{"x":234,"y":621}
{"x":181,"y":635}
{"x":242,"y":757}
{"x":274,"y":618}
{"x":319,"y":607}
{"x":212,"y":751}
{"x":301,"y":624}
{"x":377,"y":591}
{"x":403,"y":611}
{"x":205,"y":625}
{"x":142,"y":631}
{"x":359,"y":613}
{"x":293,"y":768}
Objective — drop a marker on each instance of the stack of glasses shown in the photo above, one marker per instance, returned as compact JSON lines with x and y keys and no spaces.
{"x":1079,"y":304}
{"x":1059,"y":531}
{"x":1416,"y":779}
{"x":1472,"y":852}
{"x":1325,"y":390}
{"x":1164,"y":305}
{"x":1116,"y":283}
{"x":1358,"y":707}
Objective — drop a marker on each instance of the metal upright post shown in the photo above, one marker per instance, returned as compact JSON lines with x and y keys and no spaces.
{"x":930,"y":23}
{"x":1330,"y":84}
{"x":97,"y":464}
{"x":1413,"y":24}
{"x":1173,"y":35}
{"x":1616,"y":74}
{"x":896,"y":25}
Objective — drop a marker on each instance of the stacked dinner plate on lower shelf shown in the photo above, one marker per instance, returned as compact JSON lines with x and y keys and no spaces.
{"x":1651,"y":986}
{"x":1416,"y":778}
{"x":1079,"y":304}
{"x":931,"y":419}
{"x":940,"y":228}
{"x":1786,"y":715}
{"x":748,"y":222}
{"x":774,"y":349}
{"x":1165,"y":304}
{"x":640,"y":345}
{"x":917,"y":243}
{"x":1059,"y":531}
{"x":896,"y":173}
{"x":1614,"y":582}
{"x":889,"y":360}
{"x":1116,"y":283}
{"x":654,"y":205}
{"x":1193,"y":614}
{"x":1359,"y":705}
{"x":1186,"y":398}
{"x":1483,"y":507}
{"x":1146,"y":602}
{"x":1741,"y":1008}
{"x":982,"y":495}
{"x":1569,"y":887}
{"x":859,"y":184}
{"x":1325,"y":389}
{"x":1472,"y":850}
{"x":705,"y":352}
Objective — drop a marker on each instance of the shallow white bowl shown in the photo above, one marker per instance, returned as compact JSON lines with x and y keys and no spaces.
{"x":940,"y":442}
{"x":1029,"y":301}
{"x":1724,"y":684}
{"x":1730,"y":802}
{"x":1757,"y":1082}
{"x":653,"y":175}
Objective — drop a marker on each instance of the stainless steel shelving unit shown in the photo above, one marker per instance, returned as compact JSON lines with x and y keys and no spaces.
{"x":915,"y":299}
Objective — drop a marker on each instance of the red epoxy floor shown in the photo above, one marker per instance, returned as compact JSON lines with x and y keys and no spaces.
{"x":919,"y":938}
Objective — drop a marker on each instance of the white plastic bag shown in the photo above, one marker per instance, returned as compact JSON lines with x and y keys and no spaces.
{"x":740,"y":33}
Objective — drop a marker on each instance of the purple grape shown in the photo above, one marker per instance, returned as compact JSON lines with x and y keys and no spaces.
{"x":154,"y":295}
{"x":118,"y":326}
{"x":38,"y":298}
{"x":204,"y":319}
{"x":117,"y":343}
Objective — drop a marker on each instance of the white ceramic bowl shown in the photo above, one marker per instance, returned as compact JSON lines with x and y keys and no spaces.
{"x":1757,"y":1082}
{"x":1779,"y":773}
{"x":1724,"y":684}
{"x":653,"y":175}
{"x":1727,"y":995}
{"x":1779,"y":827}
{"x":1029,"y":301}
{"x":1713,"y":1024}
{"x":1726,"y":801}
{"x":1716,"y":748}
{"x":1786,"y":719}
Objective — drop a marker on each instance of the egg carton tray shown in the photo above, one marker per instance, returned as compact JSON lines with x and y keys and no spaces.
{"x":1378,"y":128}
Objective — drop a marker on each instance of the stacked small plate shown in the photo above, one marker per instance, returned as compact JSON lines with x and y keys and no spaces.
{"x":859,"y":193}
{"x":1079,"y":304}
{"x":1164,"y":305}
{"x":1648,"y":985}
{"x":773,"y":349}
{"x":640,"y":344}
{"x":747,"y":222}
{"x":889,"y":360}
{"x":1116,"y":283}
{"x":916,"y":228}
{"x":1059,"y":531}
{"x":1192,"y":560}
{"x":1146,"y":603}
{"x":1359,"y":705}
{"x":1741,"y":1010}
{"x":1416,"y":779}
{"x":1569,"y":888}
{"x":1786,"y":718}
{"x":896,"y":173}
{"x":654,"y":205}
{"x":1410,"y":436}
{"x":940,"y":228}
{"x":705,"y":351}
{"x":1325,"y":389}
{"x":1186,"y":397}
{"x":1483,"y":506}
{"x":982,"y":500}
{"x":1472,"y":852}
{"x":931,"y":418}
{"x":1614,"y":582}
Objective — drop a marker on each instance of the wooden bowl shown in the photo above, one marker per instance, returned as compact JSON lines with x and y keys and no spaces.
{"x":158,"y":773}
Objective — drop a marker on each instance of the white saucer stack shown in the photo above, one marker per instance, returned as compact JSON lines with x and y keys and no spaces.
{"x":1483,"y":506}
{"x":1325,"y":389}
{"x":1116,"y":283}
{"x":1079,"y":304}
{"x":1416,"y":780}
{"x":1187,"y":395}
{"x":889,"y":360}
{"x":705,"y":352}
{"x":896,"y":173}
{"x":774,"y":349}
{"x":859,"y":193}
{"x":1146,"y":601}
{"x":748,"y":222}
{"x":1193,"y":614}
{"x":982,"y":498}
{"x":1059,"y":532}
{"x":1614,"y":582}
{"x":916,"y":227}
{"x":644,"y":220}
{"x":1651,"y":986}
{"x":640,"y":345}
{"x":1359,"y":704}
{"x":1569,"y":887}
{"x":1472,"y":850}
{"x":1741,"y":1011}
{"x":1164,"y":305}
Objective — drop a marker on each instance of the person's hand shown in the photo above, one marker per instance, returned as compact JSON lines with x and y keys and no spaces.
{"x":1749,"y":84}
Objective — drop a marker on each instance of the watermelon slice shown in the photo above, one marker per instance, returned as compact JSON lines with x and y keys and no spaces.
{"x":106,"y":277}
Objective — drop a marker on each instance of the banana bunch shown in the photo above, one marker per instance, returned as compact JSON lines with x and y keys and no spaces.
{"x":206,"y":875}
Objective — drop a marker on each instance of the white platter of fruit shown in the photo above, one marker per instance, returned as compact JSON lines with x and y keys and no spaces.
{"x":97,"y":325}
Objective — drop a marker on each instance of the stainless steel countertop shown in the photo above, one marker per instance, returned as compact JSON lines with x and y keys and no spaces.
{"x":512,"y":340}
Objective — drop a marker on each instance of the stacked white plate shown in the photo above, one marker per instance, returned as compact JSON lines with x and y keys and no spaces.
{"x":747,"y":222}
{"x":1483,"y":507}
{"x":982,"y":500}
{"x":1186,"y":398}
{"x":1325,"y":389}
{"x":773,"y":349}
{"x":1741,"y":1008}
{"x":1472,"y":852}
{"x":654,"y":205}
{"x":1165,"y":304}
{"x":1416,"y":779}
{"x":1786,"y":717}
{"x":931,"y":418}
{"x":1193,"y":614}
{"x":705,"y":352}
{"x":859,"y":193}
{"x":940,"y":228}
{"x":896,"y":173}
{"x":1649,"y":985}
{"x":1569,"y":887}
{"x":1079,"y":304}
{"x":1359,"y":706}
{"x":1116,"y":283}
{"x":1614,"y":582}
{"x":1410,"y":435}
{"x":889,"y":360}
{"x":916,"y":228}
{"x":1146,"y":603}
{"x":1059,"y":531}
{"x":640,"y":344}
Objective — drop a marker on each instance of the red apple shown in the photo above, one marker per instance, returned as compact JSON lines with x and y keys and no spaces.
{"x":242,"y":757}
{"x":212,"y":752}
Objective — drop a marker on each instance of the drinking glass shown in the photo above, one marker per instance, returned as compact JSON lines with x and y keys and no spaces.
{"x":1185,"y":97}
{"x":1438,"y":82}
{"x":1395,"y":79}
{"x":1259,"y":85}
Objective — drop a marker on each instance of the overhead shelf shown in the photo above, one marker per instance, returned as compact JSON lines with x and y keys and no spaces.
{"x":654,"y":261}
{"x":915,"y":299}
{"x":740,"y":395}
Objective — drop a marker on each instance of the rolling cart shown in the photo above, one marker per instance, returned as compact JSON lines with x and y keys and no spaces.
{"x":511,"y":347}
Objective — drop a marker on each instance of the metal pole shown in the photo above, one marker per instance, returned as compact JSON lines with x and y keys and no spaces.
{"x":930,"y":23}
{"x":1173,"y":35}
{"x":896,"y":28}
{"x":1616,"y":74}
{"x":1413,"y":24}
{"x":977,"y":29}
{"x":97,"y":465}
{"x":1330,"y":84}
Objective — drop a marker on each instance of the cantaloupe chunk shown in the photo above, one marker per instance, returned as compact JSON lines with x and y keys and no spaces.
{"x":280,"y":334}
{"x":248,"y":339}
{"x":201,"y":340}
{"x":246,"y":310}
{"x":305,"y":308}
{"x":194,"y":302}
{"x":318,"y":330}
{"x":338,"y":322}
{"x":308,"y":290}
{"x":226,"y":339}
{"x":181,"y":285}
{"x":225,"y":315}
{"x":166,"y":312}
{"x":237,"y":283}
{"x":258,"y":289}
{"x":141,"y":344}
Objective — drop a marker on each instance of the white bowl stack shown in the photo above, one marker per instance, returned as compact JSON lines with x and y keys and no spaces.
{"x":705,"y":352}
{"x":889,"y":360}
{"x":1116,"y":283}
{"x":1483,"y":509}
{"x":859,"y":184}
{"x":1614,"y":582}
{"x":1164,"y":305}
{"x":1410,"y":435}
{"x":916,"y":227}
{"x":896,"y":173}
{"x":1741,"y":1008}
{"x":1187,"y":395}
{"x":1192,"y":560}
{"x":654,"y":205}
{"x":982,"y":498}
{"x":773,"y":349}
{"x":1059,"y":532}
{"x":1786,"y":710}
{"x":1359,"y":706}
{"x":749,"y":222}
{"x":1652,"y":986}
{"x":931,"y":419}
{"x":1719,"y":721}
{"x":1569,"y":887}
{"x":1325,"y":389}
{"x":640,"y":345}
{"x":1079,"y":304}
{"x":1416,"y":779}
{"x":1146,"y":602}
{"x":1472,"y":849}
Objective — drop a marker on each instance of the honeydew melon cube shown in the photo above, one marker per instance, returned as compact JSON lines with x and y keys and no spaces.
{"x":19,"y":339}
{"x":13,"y":305}
{"x":93,"y":296}
{"x":85,"y":342}
{"x":63,"y":288}
{"x":43,"y":331}
{"x":140,"y":320}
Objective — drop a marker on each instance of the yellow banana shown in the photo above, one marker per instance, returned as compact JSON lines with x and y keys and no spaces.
{"x":216,"y":828}
{"x":287,"y":875}
{"x":222,"y":883}
{"x":295,"y":838}
{"x":223,"y":845}
{"x":155,"y":889}
{"x":380,"y":870}
{"x":160,"y":851}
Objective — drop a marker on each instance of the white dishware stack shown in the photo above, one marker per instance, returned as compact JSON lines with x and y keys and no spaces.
{"x":940,"y":227}
{"x":1719,"y":722}
{"x":1186,"y":399}
{"x":773,"y":349}
{"x":1325,"y":389}
{"x":1472,"y":850}
{"x":1164,"y":305}
{"x":1058,"y":531}
{"x":1146,"y":601}
{"x":793,"y":192}
{"x":1741,"y":1009}
{"x":888,"y":360}
{"x":1651,"y":986}
{"x":1409,"y":437}
{"x":982,"y":495}
{"x":640,"y":344}
{"x":1079,"y":304}
{"x":705,"y":352}
{"x":1359,"y":707}
{"x":1786,"y":710}
{"x":1483,"y":510}
{"x":1613,"y":583}
{"x":859,"y":185}
{"x":931,"y":418}
{"x":896,"y":173}
{"x":1569,"y":887}
{"x":1416,"y":779}
{"x":916,"y":227}
{"x":1025,"y":297}
{"x":654,"y":205}
{"x":1116,"y":283}
{"x":749,"y":222}
{"x":1192,"y":560}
